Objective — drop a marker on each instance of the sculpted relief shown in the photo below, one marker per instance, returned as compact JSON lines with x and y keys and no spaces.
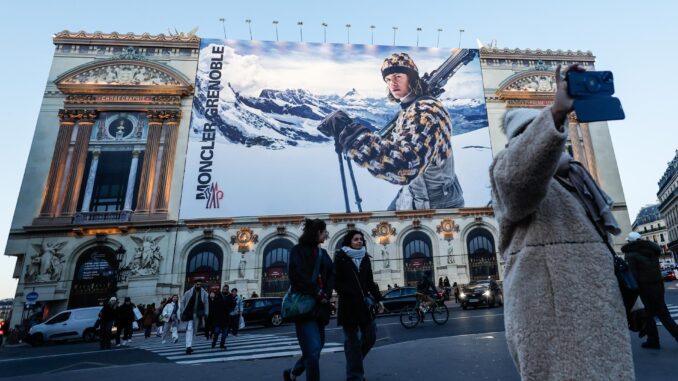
{"x":147,"y":257}
{"x":123,"y":74}
{"x":534,"y":83}
{"x":47,"y":264}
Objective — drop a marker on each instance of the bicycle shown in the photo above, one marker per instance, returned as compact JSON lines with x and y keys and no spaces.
{"x":411,"y":316}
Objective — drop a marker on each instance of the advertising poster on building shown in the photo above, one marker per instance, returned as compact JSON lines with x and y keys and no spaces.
{"x":300,"y":128}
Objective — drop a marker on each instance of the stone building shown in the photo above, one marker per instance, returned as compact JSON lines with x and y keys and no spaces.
{"x":652,"y":227}
{"x":98,"y":210}
{"x":668,"y":202}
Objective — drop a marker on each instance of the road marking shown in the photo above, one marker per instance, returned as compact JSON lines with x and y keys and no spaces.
{"x":64,"y":354}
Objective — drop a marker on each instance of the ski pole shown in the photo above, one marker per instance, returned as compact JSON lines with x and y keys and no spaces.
{"x":343,"y":179}
{"x":358,"y":200}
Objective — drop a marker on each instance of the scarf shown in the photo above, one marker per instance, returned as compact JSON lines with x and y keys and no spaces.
{"x":356,"y":255}
{"x":597,"y":203}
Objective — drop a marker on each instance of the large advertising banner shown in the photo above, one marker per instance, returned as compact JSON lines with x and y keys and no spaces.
{"x":300,"y":128}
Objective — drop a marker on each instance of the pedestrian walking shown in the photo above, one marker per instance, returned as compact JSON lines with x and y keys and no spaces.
{"x":554,"y":222}
{"x":254,"y":294}
{"x":359,"y":300}
{"x":220,"y":311}
{"x":107,"y":317}
{"x":455,"y":289}
{"x":305,"y":279}
{"x":236,"y":311}
{"x":159,"y":322}
{"x":149,"y":319}
{"x":209,"y":324}
{"x":170,"y":317}
{"x":643,"y":259}
{"x":123,"y":322}
{"x":194,"y":306}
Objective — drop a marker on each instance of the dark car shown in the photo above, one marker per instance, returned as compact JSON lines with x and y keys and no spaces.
{"x":396,"y":299}
{"x":481,"y":293}
{"x":265,"y":311}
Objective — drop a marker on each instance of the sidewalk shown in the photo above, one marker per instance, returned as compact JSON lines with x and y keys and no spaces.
{"x":467,"y":357}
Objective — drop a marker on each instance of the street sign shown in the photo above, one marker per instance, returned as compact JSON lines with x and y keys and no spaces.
{"x":31,"y":297}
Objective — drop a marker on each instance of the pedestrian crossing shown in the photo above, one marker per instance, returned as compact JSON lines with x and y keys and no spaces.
{"x":241,"y":347}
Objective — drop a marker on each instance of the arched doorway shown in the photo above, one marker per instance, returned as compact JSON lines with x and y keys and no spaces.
{"x":94,"y":279}
{"x":274,"y":277}
{"x":418,"y":257}
{"x":482,"y":258}
{"x":204,"y":263}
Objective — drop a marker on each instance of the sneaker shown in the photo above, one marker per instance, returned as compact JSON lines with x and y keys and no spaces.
{"x":124,"y":343}
{"x":189,"y":350}
{"x":223,"y":347}
{"x":117,"y":345}
{"x":214,"y":345}
{"x":176,"y":339}
{"x":650,"y":345}
{"x":287,"y":375}
{"x":163,"y":341}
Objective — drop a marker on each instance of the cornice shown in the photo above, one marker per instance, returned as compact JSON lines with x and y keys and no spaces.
{"x":529,"y":54}
{"x":180,"y":40}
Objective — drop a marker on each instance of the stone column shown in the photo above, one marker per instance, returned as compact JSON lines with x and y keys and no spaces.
{"x":89,"y":188}
{"x":167,"y":165}
{"x":146,"y":184}
{"x":131,"y":180}
{"x":77,"y":167}
{"x":588,"y":151}
{"x":56,"y":169}
{"x":574,"y":140}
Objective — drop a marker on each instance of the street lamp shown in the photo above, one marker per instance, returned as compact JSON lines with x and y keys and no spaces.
{"x":372,"y":31}
{"x":223,"y":25}
{"x":461,"y":31}
{"x":301,"y":32}
{"x":275,"y":22}
{"x":348,"y":33}
{"x":324,"y":32}
{"x":418,"y":30}
{"x":249,"y":26}
{"x":395,"y":28}
{"x":438,"y":41}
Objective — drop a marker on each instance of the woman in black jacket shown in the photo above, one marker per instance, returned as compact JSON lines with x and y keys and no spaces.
{"x":311,"y":330}
{"x":358,"y":294}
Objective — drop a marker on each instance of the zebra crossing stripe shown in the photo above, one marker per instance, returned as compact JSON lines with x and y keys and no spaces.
{"x":176,"y":351}
{"x":256,"y":356}
{"x":271,"y":351}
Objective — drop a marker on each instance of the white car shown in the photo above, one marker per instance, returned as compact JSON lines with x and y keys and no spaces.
{"x":75,"y":324}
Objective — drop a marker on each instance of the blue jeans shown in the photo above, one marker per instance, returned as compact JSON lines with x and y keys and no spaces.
{"x":356,"y":348}
{"x":311,"y":336}
{"x":220,"y":329}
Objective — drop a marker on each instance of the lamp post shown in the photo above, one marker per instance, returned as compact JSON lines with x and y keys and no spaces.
{"x":372,"y":33}
{"x":324,"y":32}
{"x":418,"y":30}
{"x":438,"y":41}
{"x":275,"y":23}
{"x":395,"y":28}
{"x":461,"y":31}
{"x":348,"y":33}
{"x":301,"y":32}
{"x":249,"y":27}
{"x":223,"y":25}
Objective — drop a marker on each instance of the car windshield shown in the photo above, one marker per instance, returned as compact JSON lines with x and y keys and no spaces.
{"x":478,"y":284}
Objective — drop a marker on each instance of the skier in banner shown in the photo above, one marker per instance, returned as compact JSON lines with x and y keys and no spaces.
{"x":416,"y":153}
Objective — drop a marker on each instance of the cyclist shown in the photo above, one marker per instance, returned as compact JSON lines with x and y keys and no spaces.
{"x":426,"y":290}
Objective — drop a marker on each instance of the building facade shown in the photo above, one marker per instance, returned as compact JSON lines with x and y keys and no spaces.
{"x":668,"y":202}
{"x":98,"y":211}
{"x":652,"y":227}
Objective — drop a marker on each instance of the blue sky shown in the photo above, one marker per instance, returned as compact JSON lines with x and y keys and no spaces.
{"x":636,"y":40}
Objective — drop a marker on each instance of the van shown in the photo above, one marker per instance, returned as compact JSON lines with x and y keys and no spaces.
{"x":75,"y":324}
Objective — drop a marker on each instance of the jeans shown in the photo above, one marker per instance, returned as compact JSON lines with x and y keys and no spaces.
{"x":127,"y":329}
{"x":357,"y":346}
{"x":311,"y":336}
{"x":147,"y":331}
{"x":220,"y":329}
{"x":105,"y":334}
{"x":192,"y":325}
{"x":652,"y":296}
{"x":170,"y":327}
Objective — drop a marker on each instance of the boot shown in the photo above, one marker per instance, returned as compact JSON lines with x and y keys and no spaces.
{"x":650,"y":345}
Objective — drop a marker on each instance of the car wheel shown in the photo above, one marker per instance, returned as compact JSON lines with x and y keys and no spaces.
{"x":490,"y":304}
{"x":276,"y":320}
{"x":464,"y":306}
{"x":89,"y":335}
{"x":37,"y":340}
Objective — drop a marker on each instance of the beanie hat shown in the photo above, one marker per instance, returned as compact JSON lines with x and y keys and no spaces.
{"x":127,"y":299}
{"x":517,"y":119}
{"x":399,"y":63}
{"x":633,"y":236}
{"x":113,"y":299}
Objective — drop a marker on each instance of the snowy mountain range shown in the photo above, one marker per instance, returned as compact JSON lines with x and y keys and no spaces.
{"x":280,"y":118}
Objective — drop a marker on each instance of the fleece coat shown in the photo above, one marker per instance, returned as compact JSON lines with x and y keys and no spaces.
{"x":563,"y":310}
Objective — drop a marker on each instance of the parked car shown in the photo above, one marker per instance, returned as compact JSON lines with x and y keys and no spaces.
{"x":481,"y":292}
{"x":264,"y":311}
{"x":396,"y":299}
{"x":75,"y":324}
{"x":669,"y":275}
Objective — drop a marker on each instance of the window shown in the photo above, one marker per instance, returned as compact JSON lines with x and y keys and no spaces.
{"x":275,"y":281}
{"x":661,"y":237}
{"x":204,"y":263}
{"x":481,"y":255}
{"x":60,"y":318}
{"x":417,"y":257}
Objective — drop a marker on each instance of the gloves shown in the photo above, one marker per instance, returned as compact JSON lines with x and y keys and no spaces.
{"x":349,"y":134}
{"x":334,"y":124}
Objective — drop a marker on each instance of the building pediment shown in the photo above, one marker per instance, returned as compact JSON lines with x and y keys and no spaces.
{"x":534,"y":84}
{"x":124,"y":74}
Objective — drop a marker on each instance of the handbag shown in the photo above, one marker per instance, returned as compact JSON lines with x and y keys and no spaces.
{"x":296,"y":305}
{"x":372,"y":307}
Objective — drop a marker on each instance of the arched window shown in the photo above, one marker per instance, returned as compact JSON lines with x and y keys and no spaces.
{"x":204,"y":263}
{"x":417,"y":257}
{"x":94,"y":279}
{"x":274,"y":278}
{"x":481,"y":255}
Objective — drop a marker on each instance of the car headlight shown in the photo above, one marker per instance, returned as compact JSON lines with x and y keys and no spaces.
{"x":462,"y":295}
{"x":487,"y":293}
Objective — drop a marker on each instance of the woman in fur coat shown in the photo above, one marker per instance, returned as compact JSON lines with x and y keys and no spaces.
{"x":563,"y":312}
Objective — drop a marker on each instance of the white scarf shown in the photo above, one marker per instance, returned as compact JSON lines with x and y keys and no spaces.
{"x":356,"y":255}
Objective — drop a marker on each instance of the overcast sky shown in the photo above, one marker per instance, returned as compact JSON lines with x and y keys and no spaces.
{"x":636,"y":40}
